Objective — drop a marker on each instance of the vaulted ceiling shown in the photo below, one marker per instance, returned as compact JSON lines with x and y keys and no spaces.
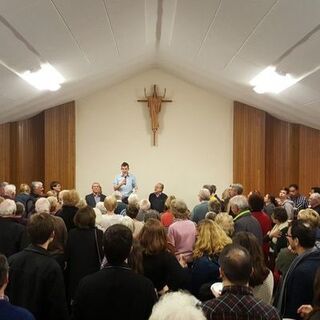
{"x":216,"y":44}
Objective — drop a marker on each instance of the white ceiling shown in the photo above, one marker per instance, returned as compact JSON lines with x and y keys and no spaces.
{"x":217,"y":44}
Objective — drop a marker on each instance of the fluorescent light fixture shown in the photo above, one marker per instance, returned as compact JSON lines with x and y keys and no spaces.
{"x":269,"y":80}
{"x":46,"y":78}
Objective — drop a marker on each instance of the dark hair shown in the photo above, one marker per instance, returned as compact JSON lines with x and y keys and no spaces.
{"x":236,"y":264}
{"x":304,"y":233}
{"x":117,"y":242}
{"x":280,"y":214}
{"x":256,"y":201}
{"x":285,"y":189}
{"x":85,"y":217}
{"x":272,"y":199}
{"x":153,"y":237}
{"x":151,"y":214}
{"x":132,"y":210}
{"x":293,"y":185}
{"x":135,"y":259}
{"x":214,"y":206}
{"x":125,"y":164}
{"x":4,"y":269}
{"x":315,"y":189}
{"x":54,"y":184}
{"x":250,"y":242}
{"x":211,"y":187}
{"x":40,"y":227}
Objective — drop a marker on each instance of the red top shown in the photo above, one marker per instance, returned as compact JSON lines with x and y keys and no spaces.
{"x":167,"y":219}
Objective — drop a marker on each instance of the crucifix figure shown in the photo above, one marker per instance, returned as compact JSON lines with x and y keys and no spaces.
{"x":154,"y":105}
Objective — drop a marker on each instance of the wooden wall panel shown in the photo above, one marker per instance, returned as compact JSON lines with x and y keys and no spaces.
{"x":59,"y":133}
{"x":309,"y":158}
{"x":27,"y":150}
{"x":249,"y":147}
{"x":5,"y":152}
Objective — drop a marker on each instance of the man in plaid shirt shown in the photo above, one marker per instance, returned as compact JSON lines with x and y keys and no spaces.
{"x":236,"y":301}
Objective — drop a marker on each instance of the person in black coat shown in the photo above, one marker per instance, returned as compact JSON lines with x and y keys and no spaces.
{"x":158,"y":198}
{"x":96,"y":196}
{"x":84,"y":249}
{"x":13,"y":236}
{"x":36,"y":280}
{"x":116,"y":291}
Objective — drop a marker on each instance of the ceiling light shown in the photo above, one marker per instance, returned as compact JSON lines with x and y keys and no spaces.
{"x":269,"y":80}
{"x":46,"y":78}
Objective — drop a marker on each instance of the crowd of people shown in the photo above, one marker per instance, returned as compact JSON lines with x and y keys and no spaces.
{"x":120,"y":257}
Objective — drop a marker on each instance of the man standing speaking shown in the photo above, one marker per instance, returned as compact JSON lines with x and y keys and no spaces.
{"x":125,"y":182}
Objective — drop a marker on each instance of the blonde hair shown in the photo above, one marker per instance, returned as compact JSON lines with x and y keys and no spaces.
{"x":53,"y":203}
{"x":70,"y":197}
{"x":225,"y":221}
{"x":24,"y":188}
{"x":167,"y":204}
{"x":179,"y":209}
{"x":211,"y":239}
{"x":110,"y":203}
{"x":311,"y":216}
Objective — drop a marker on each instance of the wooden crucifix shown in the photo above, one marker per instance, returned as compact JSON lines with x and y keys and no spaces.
{"x":154,"y":105}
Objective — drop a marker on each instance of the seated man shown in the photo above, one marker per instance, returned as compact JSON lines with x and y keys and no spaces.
{"x":297,"y":286}
{"x":7,"y":310}
{"x":158,"y":198}
{"x":36,"y":280}
{"x":116,"y":291}
{"x":236,"y":300}
{"x":96,"y":196}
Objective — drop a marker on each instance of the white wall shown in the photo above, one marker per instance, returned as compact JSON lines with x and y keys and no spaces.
{"x":194,"y":140}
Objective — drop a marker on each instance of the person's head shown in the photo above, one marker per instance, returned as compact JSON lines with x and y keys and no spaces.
{"x":235,"y":264}
{"x":315,"y":190}
{"x":256,"y":202}
{"x":117,"y":194}
{"x":20,"y":209}
{"x":176,"y":306}
{"x":211,"y":239}
{"x":10,"y":190}
{"x":53,"y":201}
{"x":117,"y":243}
{"x":250,"y":242}
{"x":133,"y":198}
{"x":211,"y":215}
{"x":293,"y":190}
{"x":85,"y":218}
{"x":110,"y":203}
{"x":40,"y":228}
{"x":310,"y":216}
{"x":279,"y":215}
{"x":132,"y":210}
{"x":269,"y":198}
{"x":153,"y":237}
{"x":226,"y":194}
{"x":144,"y":205}
{"x":101,"y":207}
{"x":167,"y":204}
{"x":128,"y":222}
{"x":179,"y":209}
{"x":2,"y":185}
{"x":204,"y":194}
{"x":238,"y":204}
{"x":124,"y":168}
{"x":7,"y":208}
{"x":70,"y":198}
{"x":314,"y":200}
{"x":211,"y":187}
{"x":284,"y":193}
{"x":225,"y":221}
{"x":42,"y":205}
{"x":55,"y":186}
{"x":37,"y":188}
{"x":214,"y":205}
{"x":301,"y":236}
{"x":24,"y":188}
{"x":158,"y":188}
{"x":96,"y":188}
{"x":4,"y":272}
{"x":151,"y":214}
{"x":235,"y":189}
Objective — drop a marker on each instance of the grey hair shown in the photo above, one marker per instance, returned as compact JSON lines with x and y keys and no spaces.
{"x":177,"y":306}
{"x":237,"y":187}
{"x":133,"y":198}
{"x":204,"y":194}
{"x":35,"y":184}
{"x":42,"y":205}
{"x":101,"y":207}
{"x":10,"y":190}
{"x":315,"y":196}
{"x":117,"y":194}
{"x":7,"y":207}
{"x":145,"y":204}
{"x":128,"y":222}
{"x":240,"y":201}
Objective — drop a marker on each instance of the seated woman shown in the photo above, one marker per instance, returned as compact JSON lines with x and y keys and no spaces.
{"x":182,"y":233}
{"x":261,"y":279}
{"x":109,"y":218}
{"x":159,"y":264}
{"x":84,"y":249}
{"x":167,"y":217}
{"x":210,"y":241}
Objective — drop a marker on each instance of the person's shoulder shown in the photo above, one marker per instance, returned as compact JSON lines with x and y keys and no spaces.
{"x":20,"y":313}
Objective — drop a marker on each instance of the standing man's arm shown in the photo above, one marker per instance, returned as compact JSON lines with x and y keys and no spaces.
{"x":117,"y":185}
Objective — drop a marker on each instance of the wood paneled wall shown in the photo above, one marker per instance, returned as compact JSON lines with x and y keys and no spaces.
{"x":40,"y":148}
{"x":289,"y":153}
